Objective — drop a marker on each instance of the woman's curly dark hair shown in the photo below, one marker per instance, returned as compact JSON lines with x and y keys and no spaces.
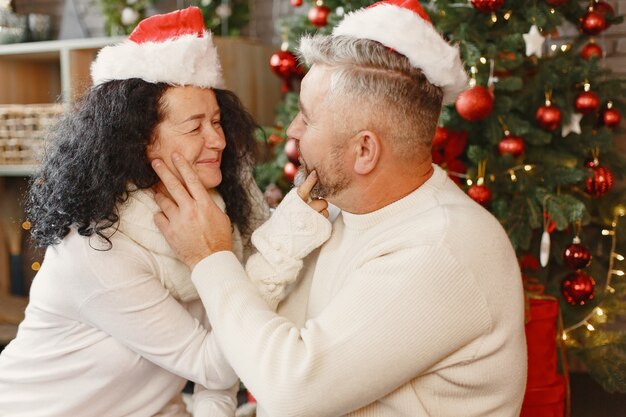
{"x":99,"y":148}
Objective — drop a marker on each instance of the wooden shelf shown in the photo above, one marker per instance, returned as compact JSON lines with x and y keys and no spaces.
{"x":17,"y":170}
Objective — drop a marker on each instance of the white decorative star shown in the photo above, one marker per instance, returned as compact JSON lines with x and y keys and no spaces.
{"x":573,"y":126}
{"x":534,"y":42}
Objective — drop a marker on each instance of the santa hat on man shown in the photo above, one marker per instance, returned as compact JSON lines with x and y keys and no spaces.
{"x":404,"y":26}
{"x":173,"y":48}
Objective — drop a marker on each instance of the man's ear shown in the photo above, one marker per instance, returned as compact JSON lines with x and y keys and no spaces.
{"x":367,"y":148}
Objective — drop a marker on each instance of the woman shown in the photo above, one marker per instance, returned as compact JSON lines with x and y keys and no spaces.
{"x":113,"y":326}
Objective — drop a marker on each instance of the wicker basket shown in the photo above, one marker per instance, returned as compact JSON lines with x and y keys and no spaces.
{"x":22,"y":130}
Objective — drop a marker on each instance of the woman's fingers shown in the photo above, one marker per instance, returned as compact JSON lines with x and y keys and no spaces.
{"x":318,"y":205}
{"x":304,"y":190}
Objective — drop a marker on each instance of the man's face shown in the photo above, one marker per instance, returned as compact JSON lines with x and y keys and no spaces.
{"x":321,"y":147}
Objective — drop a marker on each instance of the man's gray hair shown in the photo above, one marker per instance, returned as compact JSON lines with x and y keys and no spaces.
{"x":379,"y":88}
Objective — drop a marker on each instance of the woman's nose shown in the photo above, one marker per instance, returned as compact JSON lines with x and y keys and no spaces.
{"x":214,"y":140}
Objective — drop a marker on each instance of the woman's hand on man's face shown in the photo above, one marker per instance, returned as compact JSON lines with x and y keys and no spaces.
{"x":304,"y":191}
{"x":192,"y":223}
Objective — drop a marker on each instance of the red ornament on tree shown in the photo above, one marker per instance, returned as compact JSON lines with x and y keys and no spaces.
{"x":548,"y":116}
{"x":511,"y":144}
{"x":440,"y":138}
{"x":296,"y":3}
{"x":591,"y":50}
{"x":475,"y":104}
{"x":587,"y":102}
{"x":593,"y":23}
{"x":576,"y":255}
{"x":600,"y":182}
{"x":487,"y":6}
{"x":289,"y":171}
{"x":577,"y":288}
{"x":606,"y":10}
{"x":480,"y":194}
{"x":285,"y":64}
{"x":611,"y":117}
{"x":318,"y":15}
{"x":291,"y":150}
{"x":556,"y":2}
{"x":447,"y":148}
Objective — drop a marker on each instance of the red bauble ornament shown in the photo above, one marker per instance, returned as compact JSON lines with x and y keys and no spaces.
{"x":318,"y":15}
{"x":283,"y":63}
{"x":611,"y":117}
{"x":587,"y":102}
{"x":291,"y":150}
{"x":487,"y":6}
{"x":556,"y":2}
{"x":480,"y":194}
{"x":548,"y":117}
{"x":593,"y":23}
{"x":591,"y":50}
{"x":289,"y":171}
{"x":475,"y":104}
{"x":577,"y":288}
{"x":440,"y":138}
{"x":511,"y":144}
{"x":576,"y":256}
{"x":600,"y":182}
{"x":296,"y":3}
{"x":606,"y":10}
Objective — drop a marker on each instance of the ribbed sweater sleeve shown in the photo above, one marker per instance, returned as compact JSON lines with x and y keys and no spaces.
{"x":385,"y":309}
{"x":293,"y":231}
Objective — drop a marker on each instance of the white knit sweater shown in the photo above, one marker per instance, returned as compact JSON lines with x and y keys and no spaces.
{"x":413,"y":310}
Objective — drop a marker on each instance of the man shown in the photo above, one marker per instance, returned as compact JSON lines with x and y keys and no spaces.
{"x":413,"y":306}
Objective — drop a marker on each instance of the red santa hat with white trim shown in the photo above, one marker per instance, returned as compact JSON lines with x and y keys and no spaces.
{"x":173,"y":48}
{"x":404,"y":26}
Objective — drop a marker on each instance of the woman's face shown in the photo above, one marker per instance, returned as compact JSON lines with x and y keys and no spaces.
{"x":191,"y":127}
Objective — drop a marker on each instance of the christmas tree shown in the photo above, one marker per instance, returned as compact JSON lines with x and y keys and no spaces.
{"x":531,"y":140}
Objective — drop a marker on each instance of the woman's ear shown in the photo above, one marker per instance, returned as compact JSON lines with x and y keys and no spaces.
{"x":367,"y":149}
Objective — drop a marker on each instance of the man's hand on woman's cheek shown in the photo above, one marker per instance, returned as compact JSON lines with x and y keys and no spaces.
{"x":192,"y":223}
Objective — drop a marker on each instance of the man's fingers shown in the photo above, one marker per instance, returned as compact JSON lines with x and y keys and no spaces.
{"x":167,"y":206}
{"x":318,"y":205}
{"x":192,"y":181}
{"x":304,"y":190}
{"x":176,"y":189}
{"x":161,"y":221}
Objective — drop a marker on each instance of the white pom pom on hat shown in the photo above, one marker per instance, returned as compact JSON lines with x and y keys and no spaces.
{"x":404,"y":26}
{"x":173,"y":48}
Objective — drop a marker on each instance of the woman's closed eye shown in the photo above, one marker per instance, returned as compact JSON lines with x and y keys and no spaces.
{"x":195,"y":129}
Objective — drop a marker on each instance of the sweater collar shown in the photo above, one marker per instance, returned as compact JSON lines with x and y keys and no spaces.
{"x":137,"y":222}
{"x":420,"y":197}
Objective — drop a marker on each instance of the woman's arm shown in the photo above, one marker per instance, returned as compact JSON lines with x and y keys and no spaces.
{"x":134,"y":308}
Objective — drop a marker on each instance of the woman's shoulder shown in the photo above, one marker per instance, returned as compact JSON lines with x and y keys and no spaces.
{"x":111,"y":262}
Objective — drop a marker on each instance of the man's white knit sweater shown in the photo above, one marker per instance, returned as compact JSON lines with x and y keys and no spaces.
{"x":415,"y":310}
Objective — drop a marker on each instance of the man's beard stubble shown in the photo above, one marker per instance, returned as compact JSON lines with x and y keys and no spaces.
{"x":330,"y":177}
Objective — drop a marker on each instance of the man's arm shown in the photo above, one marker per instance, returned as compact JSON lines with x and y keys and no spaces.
{"x":192,"y":222}
{"x":397,"y":317}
